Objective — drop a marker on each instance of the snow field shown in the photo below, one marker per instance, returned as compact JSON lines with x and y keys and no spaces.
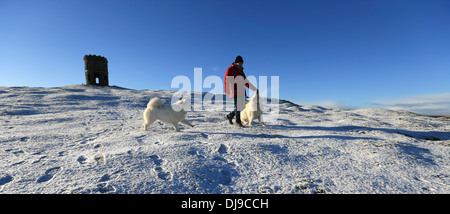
{"x":86,"y":139}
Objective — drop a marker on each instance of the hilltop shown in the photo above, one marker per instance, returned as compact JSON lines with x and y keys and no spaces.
{"x":87,"y":139}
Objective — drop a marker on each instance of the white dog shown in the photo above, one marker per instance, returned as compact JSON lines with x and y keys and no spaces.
{"x":252,"y":111}
{"x":156,"y":110}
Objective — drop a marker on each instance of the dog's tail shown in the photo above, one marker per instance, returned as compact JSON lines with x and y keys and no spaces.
{"x":155,"y":103}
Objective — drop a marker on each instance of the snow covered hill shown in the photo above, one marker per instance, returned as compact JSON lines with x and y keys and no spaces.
{"x":85,"y":139}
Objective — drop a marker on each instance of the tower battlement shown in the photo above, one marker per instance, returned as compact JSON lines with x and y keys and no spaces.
{"x":96,"y":70}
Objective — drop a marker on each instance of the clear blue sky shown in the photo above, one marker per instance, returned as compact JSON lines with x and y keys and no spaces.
{"x":351,"y":53}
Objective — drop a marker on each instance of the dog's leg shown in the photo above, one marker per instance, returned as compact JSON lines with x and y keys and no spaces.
{"x":244,"y":121}
{"x":244,"y":118}
{"x":250,"y":118}
{"x":260,"y":122}
{"x":148,"y":122}
{"x":175,"y":126}
{"x":186,"y":123}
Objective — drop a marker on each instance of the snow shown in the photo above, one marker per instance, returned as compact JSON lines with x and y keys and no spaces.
{"x":87,"y":139}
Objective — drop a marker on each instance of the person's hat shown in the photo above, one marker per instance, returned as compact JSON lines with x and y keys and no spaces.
{"x":239,"y":59}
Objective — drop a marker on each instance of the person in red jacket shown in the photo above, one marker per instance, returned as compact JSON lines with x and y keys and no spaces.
{"x":234,"y":83}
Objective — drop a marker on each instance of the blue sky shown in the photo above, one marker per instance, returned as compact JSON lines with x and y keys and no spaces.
{"x":334,"y":53}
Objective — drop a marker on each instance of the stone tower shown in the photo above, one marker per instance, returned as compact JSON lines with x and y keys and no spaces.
{"x":96,"y":70}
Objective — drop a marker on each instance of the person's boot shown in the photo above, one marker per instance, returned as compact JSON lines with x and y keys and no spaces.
{"x":238,"y":120}
{"x":230,"y":119}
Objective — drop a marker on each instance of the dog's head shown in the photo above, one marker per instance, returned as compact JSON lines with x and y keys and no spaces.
{"x":255,"y":97}
{"x":254,"y":102}
{"x":181,"y":101}
{"x":182,"y":105}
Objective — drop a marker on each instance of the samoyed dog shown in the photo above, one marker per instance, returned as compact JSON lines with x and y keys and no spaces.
{"x":156,"y":110}
{"x":252,"y":111}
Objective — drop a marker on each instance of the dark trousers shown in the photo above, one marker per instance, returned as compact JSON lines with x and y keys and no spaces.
{"x":236,"y":112}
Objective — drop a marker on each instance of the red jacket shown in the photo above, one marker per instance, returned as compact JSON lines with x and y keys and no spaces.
{"x":233,"y":72}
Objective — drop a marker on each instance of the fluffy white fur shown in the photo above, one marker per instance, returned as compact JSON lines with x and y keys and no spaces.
{"x":156,"y":110}
{"x":252,"y":111}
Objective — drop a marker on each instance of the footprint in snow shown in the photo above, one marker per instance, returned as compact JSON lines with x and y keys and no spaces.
{"x":100,"y":159}
{"x":17,"y":153}
{"x":195,"y":152}
{"x":204,"y":135}
{"x":63,"y":153}
{"x":141,"y":139}
{"x":105,"y":188}
{"x":223,"y":149}
{"x":41,"y":160}
{"x":162,"y":173}
{"x":82,"y":160}
{"x":158,"y":161}
{"x":4,"y":180}
{"x":107,"y":177}
{"x":49,"y":174}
